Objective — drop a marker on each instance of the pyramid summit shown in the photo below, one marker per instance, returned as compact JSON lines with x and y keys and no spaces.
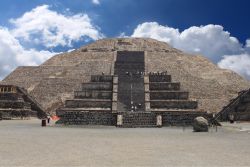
{"x":54,"y":82}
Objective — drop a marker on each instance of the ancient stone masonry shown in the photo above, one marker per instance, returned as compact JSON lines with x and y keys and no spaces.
{"x":56,"y":79}
{"x":168,"y":101}
{"x":238,"y":108}
{"x":92,"y":105}
{"x":130,"y":98}
{"x":16,"y":103}
{"x":123,"y":82}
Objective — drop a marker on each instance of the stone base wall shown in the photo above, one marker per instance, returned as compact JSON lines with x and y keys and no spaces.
{"x":87,"y":118}
{"x":181,"y":119}
{"x":16,"y":114}
{"x":138,"y":119}
{"x":129,"y":119}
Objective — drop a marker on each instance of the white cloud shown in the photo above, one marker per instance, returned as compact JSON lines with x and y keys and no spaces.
{"x":49,"y":28}
{"x":43,"y":27}
{"x":12,"y":54}
{"x":248,"y":43}
{"x":238,"y":63}
{"x":211,"y":41}
{"x":96,"y":2}
{"x":247,"y":47}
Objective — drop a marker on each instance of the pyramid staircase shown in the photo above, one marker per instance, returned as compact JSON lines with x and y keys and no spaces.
{"x":165,"y":105}
{"x":130,"y":98}
{"x":92,"y":105}
{"x":97,"y":103}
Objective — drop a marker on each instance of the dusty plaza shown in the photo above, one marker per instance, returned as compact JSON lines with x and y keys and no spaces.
{"x":26,"y":143}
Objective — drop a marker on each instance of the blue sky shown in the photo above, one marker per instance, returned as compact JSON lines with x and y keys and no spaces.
{"x":33,"y":31}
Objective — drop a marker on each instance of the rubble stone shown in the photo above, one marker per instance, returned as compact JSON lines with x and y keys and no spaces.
{"x":200,"y":124}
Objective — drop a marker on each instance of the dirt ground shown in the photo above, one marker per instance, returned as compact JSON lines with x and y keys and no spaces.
{"x":26,"y":143}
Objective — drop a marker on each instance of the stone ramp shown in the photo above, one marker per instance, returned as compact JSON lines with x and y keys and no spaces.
{"x":129,"y":68}
{"x":34,"y":104}
{"x":239,"y":107}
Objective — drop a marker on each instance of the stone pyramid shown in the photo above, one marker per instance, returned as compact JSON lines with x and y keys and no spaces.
{"x":56,"y":79}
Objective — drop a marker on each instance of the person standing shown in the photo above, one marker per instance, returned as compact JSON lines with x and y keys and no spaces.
{"x":48,"y":119}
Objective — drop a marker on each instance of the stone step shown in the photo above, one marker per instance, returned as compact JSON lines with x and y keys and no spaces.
{"x":135,"y":72}
{"x":129,"y":65}
{"x":167,"y":95}
{"x":88,"y":103}
{"x":97,"y":86}
{"x":162,"y":110}
{"x":101,"y":78}
{"x":93,"y":94}
{"x":13,"y":113}
{"x":84,"y":109}
{"x":61,"y":111}
{"x":174,"y":104}
{"x":14,"y":109}
{"x":9,"y":96}
{"x":159,"y":78}
{"x":14,"y":104}
{"x":164,"y":86}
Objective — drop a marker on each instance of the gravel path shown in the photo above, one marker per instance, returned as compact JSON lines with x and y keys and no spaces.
{"x":26,"y":143}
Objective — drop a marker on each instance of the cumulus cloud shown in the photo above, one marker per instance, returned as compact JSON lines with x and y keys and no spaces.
{"x":96,"y":2}
{"x":50,"y":28}
{"x":41,"y":27}
{"x":238,"y":63}
{"x":210,"y":40}
{"x":13,"y":54}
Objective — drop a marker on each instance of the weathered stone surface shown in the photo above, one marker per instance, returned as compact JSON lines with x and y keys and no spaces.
{"x":238,"y":107}
{"x":87,"y":118}
{"x":16,"y":103}
{"x":54,"y":81}
{"x":200,"y":124}
{"x":138,"y":119}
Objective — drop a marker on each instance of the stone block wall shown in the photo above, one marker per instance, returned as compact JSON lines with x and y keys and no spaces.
{"x":91,"y":105}
{"x":174,"y":104}
{"x":88,"y":103}
{"x":13,"y":104}
{"x":93,"y":94}
{"x":138,"y":119}
{"x":167,"y":95}
{"x":87,"y":118}
{"x":238,"y":107}
{"x":164,"y":86}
